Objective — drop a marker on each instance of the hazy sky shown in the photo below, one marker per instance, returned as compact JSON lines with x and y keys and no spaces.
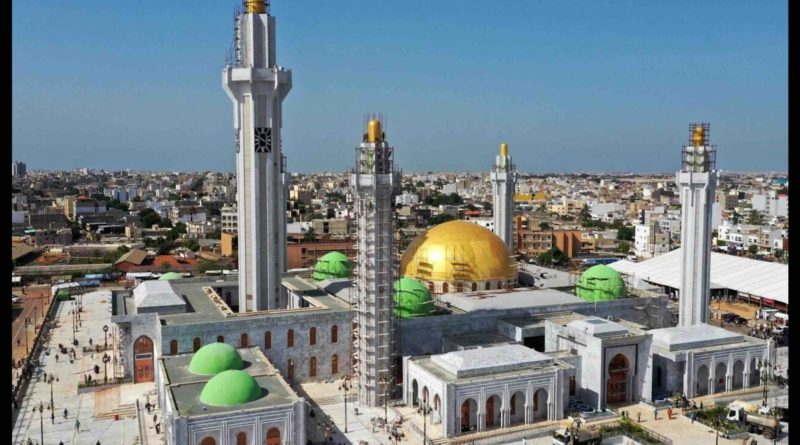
{"x":569,"y":85}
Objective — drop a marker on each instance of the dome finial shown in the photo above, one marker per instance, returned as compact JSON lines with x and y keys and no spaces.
{"x":374,"y":131}
{"x":504,"y":149}
{"x":255,"y":6}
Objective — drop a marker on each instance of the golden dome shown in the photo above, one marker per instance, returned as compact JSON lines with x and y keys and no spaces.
{"x":458,"y":251}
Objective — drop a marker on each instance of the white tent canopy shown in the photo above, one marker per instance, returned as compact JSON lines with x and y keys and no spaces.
{"x":744,"y":275}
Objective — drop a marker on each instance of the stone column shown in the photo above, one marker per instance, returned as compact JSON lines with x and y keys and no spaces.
{"x":746,"y":377}
{"x":711,"y":385}
{"x":550,"y":413}
{"x":481,"y":421}
{"x":505,"y":418}
{"x":728,"y":382}
{"x":528,"y":413}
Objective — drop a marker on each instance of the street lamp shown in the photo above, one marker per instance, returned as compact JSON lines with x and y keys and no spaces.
{"x":425,"y":408}
{"x":105,"y":336}
{"x":41,"y":421}
{"x":385,"y":382}
{"x":345,"y":386}
{"x":106,"y":359}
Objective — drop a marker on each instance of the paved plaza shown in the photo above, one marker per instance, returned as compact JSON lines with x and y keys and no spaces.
{"x":95,"y":411}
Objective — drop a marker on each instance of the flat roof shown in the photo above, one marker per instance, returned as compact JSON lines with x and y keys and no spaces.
{"x":692,"y":337}
{"x":548,"y":278}
{"x":479,"y":339}
{"x":489,"y":360}
{"x":598,"y":327}
{"x":508,"y":299}
{"x":758,"y":278}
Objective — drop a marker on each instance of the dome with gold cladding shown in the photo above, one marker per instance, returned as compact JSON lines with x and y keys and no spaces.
{"x":459,"y":256}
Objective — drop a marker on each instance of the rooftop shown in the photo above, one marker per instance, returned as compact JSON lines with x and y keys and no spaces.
{"x":508,"y":299}
{"x":156,"y":294}
{"x":489,"y":360}
{"x":692,"y":337}
{"x":598,"y":327}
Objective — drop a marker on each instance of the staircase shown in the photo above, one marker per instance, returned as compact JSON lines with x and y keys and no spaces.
{"x":123,"y":411}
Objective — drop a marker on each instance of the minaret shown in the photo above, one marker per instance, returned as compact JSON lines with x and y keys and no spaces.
{"x":257,"y":87}
{"x":504,"y":183}
{"x":697,"y":182}
{"x":374,"y":183}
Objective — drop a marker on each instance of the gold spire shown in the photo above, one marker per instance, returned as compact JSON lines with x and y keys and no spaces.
{"x":698,"y":136}
{"x":255,"y":6}
{"x":374,"y":131}
{"x":504,"y":149}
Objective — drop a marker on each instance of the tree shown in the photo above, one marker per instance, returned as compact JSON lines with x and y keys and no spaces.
{"x":165,"y":267}
{"x":554,"y":256}
{"x":310,"y":236}
{"x":486,"y":205}
{"x":585,"y":214}
{"x":626,"y":233}
{"x":752,"y":249}
{"x":623,"y":247}
{"x":545,"y":226}
{"x":755,"y":218}
{"x":205,"y":265}
{"x":148,"y":217}
{"x":441,"y":218}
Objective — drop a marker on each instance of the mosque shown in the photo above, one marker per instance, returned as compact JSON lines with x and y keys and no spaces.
{"x":448,"y":326}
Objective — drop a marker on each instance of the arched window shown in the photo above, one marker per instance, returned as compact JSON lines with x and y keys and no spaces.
{"x":241,"y":438}
{"x":290,"y":338}
{"x":208,"y":441}
{"x":243,"y":340}
{"x":474,"y":287}
{"x":312,"y":336}
{"x":459,"y":287}
{"x":487,"y":286}
{"x":445,"y":288}
{"x":430,"y":287}
{"x":196,"y":343}
{"x":312,"y":367}
{"x":499,"y":285}
{"x":513,"y":404}
{"x":268,"y":340}
{"x":334,"y":334}
{"x":334,"y":364}
{"x":273,"y":436}
{"x":173,"y":347}
{"x":220,"y":339}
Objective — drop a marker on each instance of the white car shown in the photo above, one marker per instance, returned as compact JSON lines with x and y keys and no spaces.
{"x":16,"y":299}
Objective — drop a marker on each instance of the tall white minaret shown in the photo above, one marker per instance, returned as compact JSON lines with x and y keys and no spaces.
{"x":504,"y":184}
{"x":374,"y":183}
{"x":697,"y":181}
{"x":257,"y":87}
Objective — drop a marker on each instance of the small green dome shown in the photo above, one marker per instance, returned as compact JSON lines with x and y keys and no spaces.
{"x":600,"y":283}
{"x":231,"y":387}
{"x":214,"y":358}
{"x":411,"y":298}
{"x":171,"y":276}
{"x":332,"y":265}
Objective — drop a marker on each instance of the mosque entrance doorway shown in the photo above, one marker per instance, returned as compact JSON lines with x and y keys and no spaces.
{"x":414,"y":393}
{"x":273,"y":436}
{"x":143,"y":359}
{"x":469,"y":415}
{"x":617,"y":386}
{"x":492,"y":412}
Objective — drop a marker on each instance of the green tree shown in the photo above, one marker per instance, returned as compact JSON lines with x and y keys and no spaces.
{"x":755,"y":218}
{"x":626,"y":233}
{"x":554,"y":256}
{"x":205,"y":265}
{"x":752,"y":249}
{"x":544,"y":225}
{"x":165,"y":267}
{"x":310,"y":236}
{"x":585,"y":214}
{"x":148,"y":217}
{"x":441,"y":218}
{"x":623,"y":247}
{"x":486,"y":205}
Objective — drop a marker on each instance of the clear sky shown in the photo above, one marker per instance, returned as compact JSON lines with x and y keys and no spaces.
{"x":569,"y":85}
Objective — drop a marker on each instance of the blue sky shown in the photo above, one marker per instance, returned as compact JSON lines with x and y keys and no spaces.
{"x":569,"y":85}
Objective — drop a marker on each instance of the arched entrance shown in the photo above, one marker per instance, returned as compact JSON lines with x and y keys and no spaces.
{"x":273,"y":437}
{"x":755,"y":373}
{"x":701,"y":384}
{"x":492,"y":412}
{"x":469,"y":415}
{"x":244,"y":340}
{"x":425,"y":398}
{"x":738,"y":374}
{"x":617,"y":386}
{"x":540,"y":405}
{"x":334,"y":365}
{"x":437,"y":402}
{"x":196,"y":344}
{"x":173,"y":347}
{"x":208,"y":441}
{"x":517,"y":407}
{"x":719,"y":377}
{"x":414,"y":393}
{"x":143,"y":359}
{"x":241,"y":438}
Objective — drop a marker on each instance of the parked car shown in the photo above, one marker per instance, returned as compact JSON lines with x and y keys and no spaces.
{"x":728,"y":318}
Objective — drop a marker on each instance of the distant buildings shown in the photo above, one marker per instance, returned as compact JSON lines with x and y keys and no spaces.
{"x":19,"y":168}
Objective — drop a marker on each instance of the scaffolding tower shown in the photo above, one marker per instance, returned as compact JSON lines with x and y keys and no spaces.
{"x":374,"y":182}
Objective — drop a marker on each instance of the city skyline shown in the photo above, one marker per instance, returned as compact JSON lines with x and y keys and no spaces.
{"x":449,"y":101}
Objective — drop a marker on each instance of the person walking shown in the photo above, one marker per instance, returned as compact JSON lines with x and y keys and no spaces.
{"x":90,"y":341}
{"x":639,"y":417}
{"x":65,"y":413}
{"x":77,"y":425}
{"x":669,"y":413}
{"x":155,"y":416}
{"x":655,"y":413}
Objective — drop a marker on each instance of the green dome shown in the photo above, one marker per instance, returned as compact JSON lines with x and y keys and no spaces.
{"x":600,"y":283}
{"x":171,"y":276}
{"x":231,"y":387}
{"x":214,"y":358}
{"x":332,"y":265}
{"x":411,"y":298}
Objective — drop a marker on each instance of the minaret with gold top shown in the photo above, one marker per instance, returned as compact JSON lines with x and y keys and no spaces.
{"x":374,"y":183}
{"x":504,"y":184}
{"x":257,"y":87}
{"x":697,"y":182}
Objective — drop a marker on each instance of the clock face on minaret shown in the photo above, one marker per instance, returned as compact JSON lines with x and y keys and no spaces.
{"x":263,"y":139}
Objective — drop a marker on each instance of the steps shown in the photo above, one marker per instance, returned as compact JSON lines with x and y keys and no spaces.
{"x":123,"y":411}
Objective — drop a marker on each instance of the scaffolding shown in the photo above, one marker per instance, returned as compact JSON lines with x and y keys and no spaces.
{"x":374,"y":182}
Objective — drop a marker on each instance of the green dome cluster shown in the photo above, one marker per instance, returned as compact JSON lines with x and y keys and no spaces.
{"x":411,"y":298}
{"x":332,"y":265}
{"x":600,"y":283}
{"x":171,"y":276}
{"x":232,"y":387}
{"x":215,"y":358}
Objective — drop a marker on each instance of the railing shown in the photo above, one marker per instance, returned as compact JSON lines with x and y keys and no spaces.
{"x":638,"y":433}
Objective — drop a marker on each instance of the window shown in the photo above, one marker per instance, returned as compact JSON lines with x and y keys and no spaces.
{"x":474,"y":287}
{"x":445,"y":288}
{"x":334,"y":334}
{"x":312,"y":367}
{"x":290,"y":338}
{"x":334,"y":364}
{"x":173,"y":347}
{"x":268,"y":340}
{"x":312,"y":336}
{"x":487,"y":286}
{"x":196,"y":344}
{"x":290,"y":370}
{"x":513,"y":404}
{"x":572,"y":385}
{"x":241,"y":438}
{"x":220,"y":339}
{"x":243,"y":340}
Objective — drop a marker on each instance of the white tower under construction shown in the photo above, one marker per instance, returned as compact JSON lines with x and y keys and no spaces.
{"x":257,"y":87}
{"x":504,"y":184}
{"x":374,"y":184}
{"x":697,"y":182}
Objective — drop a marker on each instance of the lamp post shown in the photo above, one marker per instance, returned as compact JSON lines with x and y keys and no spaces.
{"x":41,"y":421}
{"x":425,"y":410}
{"x":106,"y":359}
{"x":52,"y":402}
{"x":345,"y":386}
{"x":385,"y":382}
{"x":26,"y":339}
{"x":105,"y":336}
